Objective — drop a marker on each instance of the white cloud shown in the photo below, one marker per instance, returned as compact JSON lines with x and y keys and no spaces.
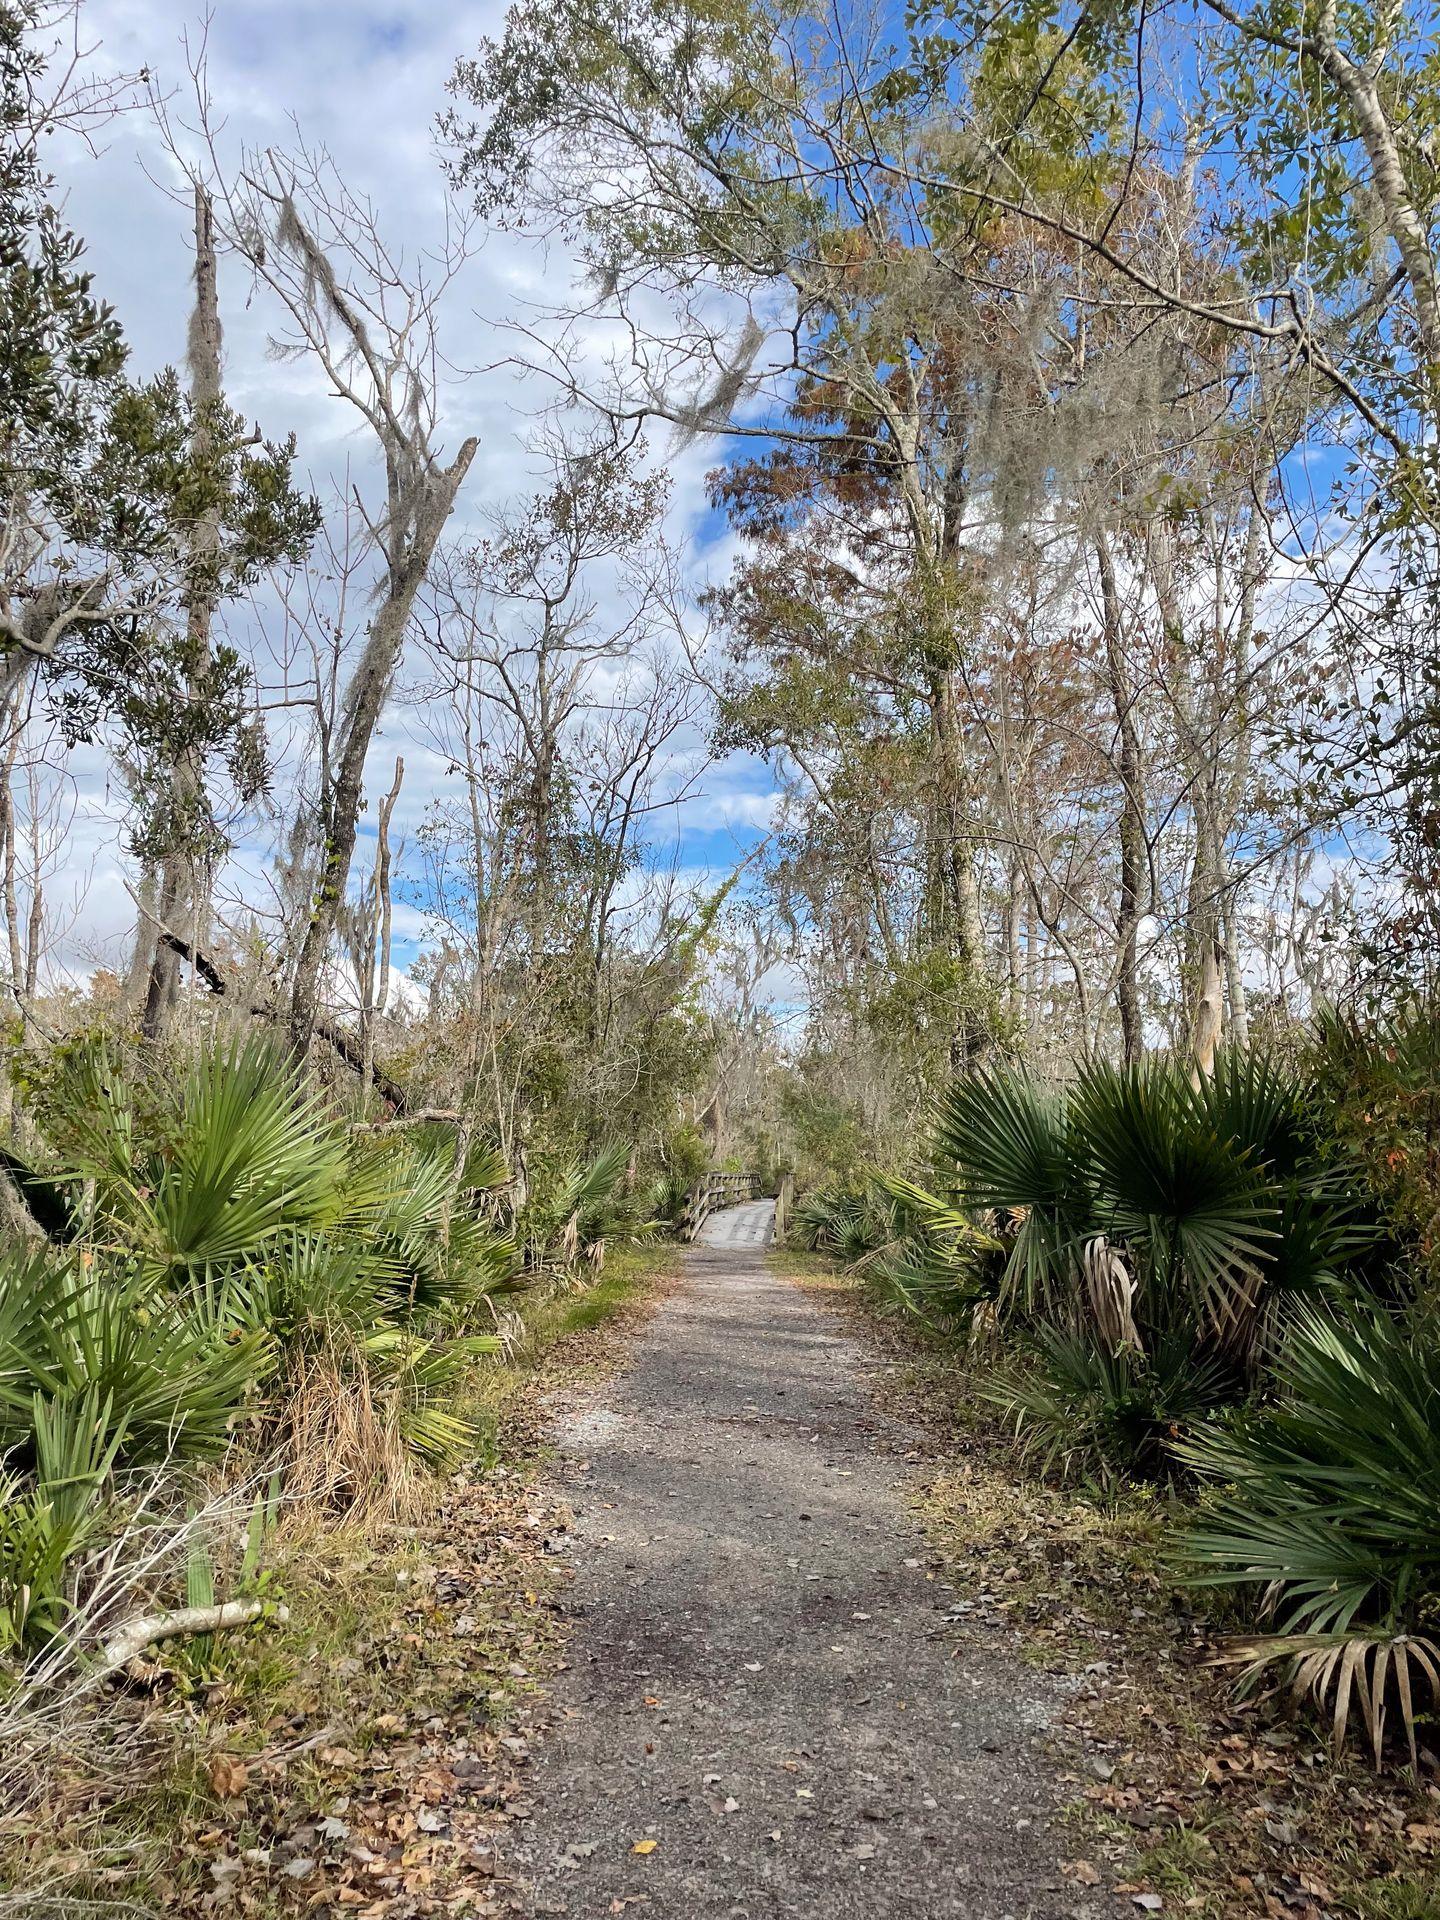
{"x":364,"y":80}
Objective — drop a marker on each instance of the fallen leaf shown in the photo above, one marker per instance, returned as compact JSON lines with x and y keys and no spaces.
{"x":645,"y":1846}
{"x":1085,"y":1871}
{"x":228,"y":1776}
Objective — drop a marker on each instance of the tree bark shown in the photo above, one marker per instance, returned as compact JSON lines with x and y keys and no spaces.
{"x":9,"y":833}
{"x":1209,"y":1013}
{"x":408,"y":559}
{"x":1132,"y":823}
{"x":954,"y":856}
{"x":183,"y":875}
{"x":375,"y":985}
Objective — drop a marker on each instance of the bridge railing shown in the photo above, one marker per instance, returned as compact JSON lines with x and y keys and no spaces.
{"x":784,"y":1201}
{"x":712,"y":1191}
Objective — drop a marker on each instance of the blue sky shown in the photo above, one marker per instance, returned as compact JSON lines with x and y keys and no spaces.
{"x":365,"y":82}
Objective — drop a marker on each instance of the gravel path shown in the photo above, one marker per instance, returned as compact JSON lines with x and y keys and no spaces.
{"x":763,"y":1689}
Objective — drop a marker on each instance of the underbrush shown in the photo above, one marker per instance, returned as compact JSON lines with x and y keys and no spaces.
{"x":363,"y":1742}
{"x":1204,"y":1287}
{"x":262,"y":1371}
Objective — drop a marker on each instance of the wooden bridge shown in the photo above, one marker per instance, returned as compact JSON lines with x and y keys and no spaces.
{"x":716,"y":1190}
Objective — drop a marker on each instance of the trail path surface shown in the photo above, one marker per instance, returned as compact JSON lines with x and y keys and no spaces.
{"x":762,"y":1680}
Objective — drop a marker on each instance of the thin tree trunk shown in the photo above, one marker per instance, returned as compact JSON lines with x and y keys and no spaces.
{"x":9,"y":833}
{"x":344,"y":787}
{"x":183,"y":870}
{"x":1131,"y":824}
{"x":1206,"y":1022}
{"x":1235,"y":979}
{"x":375,"y":992}
{"x":953,"y":861}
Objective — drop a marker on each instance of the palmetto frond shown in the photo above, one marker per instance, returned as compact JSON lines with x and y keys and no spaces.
{"x":174,"y":1371}
{"x":1005,"y":1144}
{"x":1329,"y":1501}
{"x":1196,"y":1200}
{"x":1349,"y":1674}
{"x":244,"y":1152}
{"x":587,"y":1190}
{"x":1213,"y":1195}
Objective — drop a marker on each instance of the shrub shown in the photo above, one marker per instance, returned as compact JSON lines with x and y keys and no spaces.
{"x":173,"y":1371}
{"x":229,"y":1248}
{"x":1079,"y":1406}
{"x":848,"y":1221}
{"x":1329,"y":1501}
{"x":583,"y":1204}
{"x":1326,"y":1507}
{"x":1377,"y":1097}
{"x":1213,"y":1199}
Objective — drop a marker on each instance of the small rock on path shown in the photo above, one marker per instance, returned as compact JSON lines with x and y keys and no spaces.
{"x":762,"y":1715}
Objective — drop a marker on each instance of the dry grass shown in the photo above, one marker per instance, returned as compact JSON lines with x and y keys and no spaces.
{"x":342,"y":1448}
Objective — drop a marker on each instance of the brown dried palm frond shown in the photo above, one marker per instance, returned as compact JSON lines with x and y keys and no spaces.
{"x":1345,"y":1674}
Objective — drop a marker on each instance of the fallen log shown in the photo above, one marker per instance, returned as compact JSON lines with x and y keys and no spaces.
{"x":144,"y":1630}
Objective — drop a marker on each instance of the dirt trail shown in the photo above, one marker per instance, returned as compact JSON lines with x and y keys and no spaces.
{"x":762,"y":1680}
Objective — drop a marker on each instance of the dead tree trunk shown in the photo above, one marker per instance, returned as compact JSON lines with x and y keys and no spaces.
{"x":184,"y":878}
{"x":410,"y":550}
{"x":375,"y":986}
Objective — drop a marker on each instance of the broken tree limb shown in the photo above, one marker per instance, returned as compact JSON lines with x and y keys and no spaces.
{"x":349,"y":1050}
{"x":146,"y":1630}
{"x":353,"y":1054}
{"x":421,"y":1117}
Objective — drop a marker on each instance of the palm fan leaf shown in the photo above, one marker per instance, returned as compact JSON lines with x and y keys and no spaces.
{"x":1330,"y":1500}
{"x":1348,"y":1675}
{"x":1196,"y":1199}
{"x":1007,"y":1146}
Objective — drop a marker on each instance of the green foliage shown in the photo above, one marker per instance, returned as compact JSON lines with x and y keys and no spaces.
{"x":1006,"y":1147}
{"x":61,"y":349}
{"x":1325,"y":1513}
{"x":1080,"y":1407}
{"x":1377,"y":1093}
{"x":914,"y":1250}
{"x":583,"y":1203}
{"x":49,"y":1517}
{"x":105,"y":479}
{"x":847,"y":1222}
{"x":1220,"y":1197}
{"x":240,"y":1153}
{"x":938,"y":1265}
{"x":1328,"y":1502}
{"x":235,"y":1246}
{"x":172,"y":1369}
